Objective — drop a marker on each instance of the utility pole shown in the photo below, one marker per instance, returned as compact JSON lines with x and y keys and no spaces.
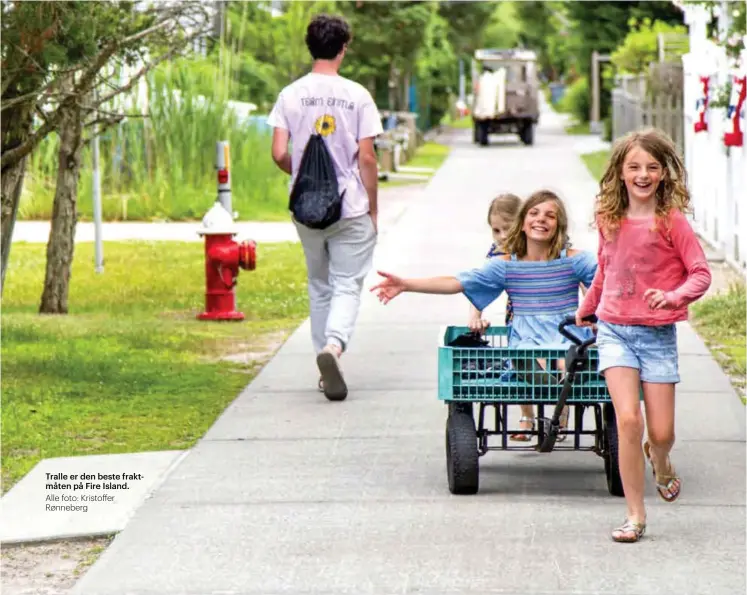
{"x":595,"y":126}
{"x":223,"y":166}
{"x":462,"y":97}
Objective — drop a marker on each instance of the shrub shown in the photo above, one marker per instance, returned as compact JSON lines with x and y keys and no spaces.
{"x":577,"y":100}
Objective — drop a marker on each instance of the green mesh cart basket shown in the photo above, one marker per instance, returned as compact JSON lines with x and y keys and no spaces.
{"x":483,"y":376}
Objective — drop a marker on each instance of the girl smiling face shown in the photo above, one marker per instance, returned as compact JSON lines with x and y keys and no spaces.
{"x":641,"y":174}
{"x":541,"y":222}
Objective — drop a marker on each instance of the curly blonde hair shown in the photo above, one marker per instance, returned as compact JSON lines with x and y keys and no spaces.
{"x":612,"y":201}
{"x":516,"y":240}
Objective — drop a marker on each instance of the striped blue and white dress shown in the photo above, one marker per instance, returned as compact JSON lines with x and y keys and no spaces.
{"x":543,"y":293}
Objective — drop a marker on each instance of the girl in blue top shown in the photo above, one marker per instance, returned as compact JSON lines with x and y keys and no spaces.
{"x":540,"y":275}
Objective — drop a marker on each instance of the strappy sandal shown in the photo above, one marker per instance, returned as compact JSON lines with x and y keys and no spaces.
{"x":628,"y":532}
{"x":524,"y":437}
{"x":667,"y":485}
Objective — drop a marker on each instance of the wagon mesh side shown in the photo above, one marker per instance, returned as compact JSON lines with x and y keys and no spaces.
{"x":500,"y":373}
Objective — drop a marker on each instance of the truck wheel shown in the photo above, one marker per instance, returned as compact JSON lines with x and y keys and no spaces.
{"x":611,"y":463}
{"x":483,"y":134}
{"x":527,"y":134}
{"x":462,"y":465}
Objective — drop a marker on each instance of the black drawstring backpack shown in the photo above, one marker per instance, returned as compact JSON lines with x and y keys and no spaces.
{"x":315,"y":200}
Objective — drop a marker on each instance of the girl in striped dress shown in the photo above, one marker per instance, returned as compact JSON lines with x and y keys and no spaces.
{"x":540,"y":275}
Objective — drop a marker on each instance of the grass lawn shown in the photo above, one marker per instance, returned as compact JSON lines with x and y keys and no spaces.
{"x":430,"y":155}
{"x":578,"y":128}
{"x":130,"y":368}
{"x":462,"y":123}
{"x":596,"y":163}
{"x":721,"y":321}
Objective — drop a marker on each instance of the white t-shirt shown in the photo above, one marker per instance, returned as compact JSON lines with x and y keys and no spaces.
{"x":343,"y":112}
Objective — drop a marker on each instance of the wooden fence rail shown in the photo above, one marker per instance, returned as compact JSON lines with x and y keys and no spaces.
{"x":633,"y":109}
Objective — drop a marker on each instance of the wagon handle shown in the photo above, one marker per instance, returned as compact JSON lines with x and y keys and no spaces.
{"x":575,"y":358}
{"x":571,"y":321}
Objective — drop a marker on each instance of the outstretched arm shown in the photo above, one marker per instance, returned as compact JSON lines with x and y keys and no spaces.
{"x":481,"y":286}
{"x":392,"y":286}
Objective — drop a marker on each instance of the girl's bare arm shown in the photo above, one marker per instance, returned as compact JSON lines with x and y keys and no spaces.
{"x":438,"y":285}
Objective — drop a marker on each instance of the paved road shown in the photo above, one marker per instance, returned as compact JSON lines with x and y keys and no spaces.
{"x":288,"y":493}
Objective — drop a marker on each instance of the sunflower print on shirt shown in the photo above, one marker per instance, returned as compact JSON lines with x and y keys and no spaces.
{"x":325,"y":125}
{"x":492,"y":253}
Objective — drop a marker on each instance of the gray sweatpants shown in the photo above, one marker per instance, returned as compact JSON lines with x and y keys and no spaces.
{"x":337,"y":259}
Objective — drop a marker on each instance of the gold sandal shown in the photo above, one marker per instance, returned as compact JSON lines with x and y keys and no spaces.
{"x":628,"y":532}
{"x":667,"y":485}
{"x":524,"y":437}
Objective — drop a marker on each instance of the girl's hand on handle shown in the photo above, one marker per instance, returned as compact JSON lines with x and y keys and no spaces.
{"x":477,"y":324}
{"x":581,"y":322}
{"x":389,"y":288}
{"x":655,"y":299}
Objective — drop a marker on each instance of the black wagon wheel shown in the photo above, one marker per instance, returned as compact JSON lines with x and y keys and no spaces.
{"x":611,"y":462}
{"x":462,"y":466}
{"x":460,"y":407}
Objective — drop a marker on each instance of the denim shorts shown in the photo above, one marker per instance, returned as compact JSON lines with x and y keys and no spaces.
{"x":652,"y":350}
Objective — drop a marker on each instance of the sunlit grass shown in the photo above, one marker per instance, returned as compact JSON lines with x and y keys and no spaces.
{"x":130,"y":368}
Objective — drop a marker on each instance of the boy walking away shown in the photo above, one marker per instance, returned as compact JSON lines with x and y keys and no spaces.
{"x":332,"y":122}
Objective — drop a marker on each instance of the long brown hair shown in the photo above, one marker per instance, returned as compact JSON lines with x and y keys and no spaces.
{"x":612,"y":201}
{"x":516,"y":241}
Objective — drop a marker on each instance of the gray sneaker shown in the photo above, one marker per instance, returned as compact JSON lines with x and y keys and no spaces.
{"x":333,"y":382}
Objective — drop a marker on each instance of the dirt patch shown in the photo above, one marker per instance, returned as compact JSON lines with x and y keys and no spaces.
{"x":257,"y":353}
{"x":48,"y":569}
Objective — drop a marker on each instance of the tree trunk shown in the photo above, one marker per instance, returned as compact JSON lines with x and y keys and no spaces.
{"x":16,"y":127}
{"x":64,"y":215}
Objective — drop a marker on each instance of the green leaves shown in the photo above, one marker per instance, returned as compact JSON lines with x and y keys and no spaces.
{"x":640,"y":46}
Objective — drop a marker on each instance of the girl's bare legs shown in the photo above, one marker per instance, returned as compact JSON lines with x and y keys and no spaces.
{"x":659,"y":399}
{"x":623,"y":384}
{"x":527,"y":411}
{"x":526,"y":423}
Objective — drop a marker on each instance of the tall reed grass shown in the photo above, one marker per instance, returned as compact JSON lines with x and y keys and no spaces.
{"x":162,"y":167}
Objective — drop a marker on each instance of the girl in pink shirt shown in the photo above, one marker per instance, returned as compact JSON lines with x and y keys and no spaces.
{"x":651,"y":266}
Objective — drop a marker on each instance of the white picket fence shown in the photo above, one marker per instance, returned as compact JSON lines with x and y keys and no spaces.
{"x":717,"y":174}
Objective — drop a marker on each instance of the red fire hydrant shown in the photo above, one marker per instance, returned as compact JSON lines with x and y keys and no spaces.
{"x":223,"y":258}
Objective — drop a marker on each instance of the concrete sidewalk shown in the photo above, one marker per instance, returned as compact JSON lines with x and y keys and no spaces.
{"x":393,"y":200}
{"x":289,"y":493}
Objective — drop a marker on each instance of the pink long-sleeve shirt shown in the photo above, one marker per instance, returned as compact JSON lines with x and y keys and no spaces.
{"x":647,"y":254}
